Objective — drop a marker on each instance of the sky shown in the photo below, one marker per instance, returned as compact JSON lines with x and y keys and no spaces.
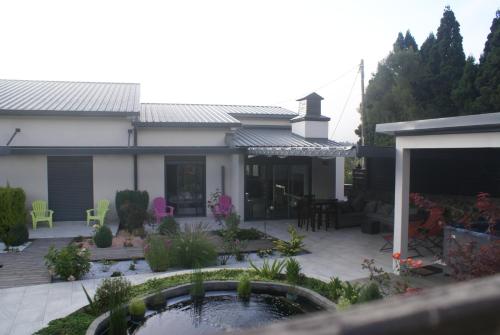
{"x":259,"y":52}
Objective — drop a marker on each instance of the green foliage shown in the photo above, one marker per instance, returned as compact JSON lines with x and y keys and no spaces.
{"x":343,"y":304}
{"x":103,"y":237}
{"x":192,"y":247}
{"x":335,"y":288}
{"x":168,"y":227}
{"x":232,"y":222}
{"x":12,"y":210}
{"x":74,"y":324}
{"x":157,"y":253}
{"x":248,"y":234}
{"x":292,"y":247}
{"x":435,"y":81}
{"x":92,"y":307}
{"x":133,"y":217}
{"x":69,"y":263}
{"x":369,"y":292}
{"x":293,"y":271}
{"x":112,"y":292}
{"x":117,"y":321}
{"x":17,"y":235}
{"x":269,"y":271}
{"x":140,"y":200}
{"x":137,"y":308}
{"x":244,"y":287}
{"x":351,"y":292}
{"x":197,"y":290}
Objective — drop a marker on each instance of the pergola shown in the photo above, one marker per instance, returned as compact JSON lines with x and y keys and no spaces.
{"x":472,"y":131}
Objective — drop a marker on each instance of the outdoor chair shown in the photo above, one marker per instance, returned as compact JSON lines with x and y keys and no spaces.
{"x":40,"y":213}
{"x":99,"y":213}
{"x":161,"y":209}
{"x":224,"y":207}
{"x":425,"y":234}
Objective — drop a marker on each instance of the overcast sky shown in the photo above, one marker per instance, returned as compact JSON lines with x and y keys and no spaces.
{"x":265,"y":52}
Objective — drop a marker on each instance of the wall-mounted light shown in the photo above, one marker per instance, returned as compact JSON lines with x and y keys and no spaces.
{"x":17,"y":130}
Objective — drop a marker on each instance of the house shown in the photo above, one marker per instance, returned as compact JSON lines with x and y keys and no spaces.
{"x":72,"y":143}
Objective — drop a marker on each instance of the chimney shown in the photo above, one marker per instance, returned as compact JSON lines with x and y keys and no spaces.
{"x":310,"y":123}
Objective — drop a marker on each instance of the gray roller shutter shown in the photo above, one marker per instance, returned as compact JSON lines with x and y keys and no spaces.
{"x":70,"y":186}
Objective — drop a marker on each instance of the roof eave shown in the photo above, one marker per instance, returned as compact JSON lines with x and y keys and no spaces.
{"x":141,"y":124}
{"x":66,"y":113}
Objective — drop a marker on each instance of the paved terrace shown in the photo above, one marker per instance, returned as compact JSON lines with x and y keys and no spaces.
{"x":26,"y":309}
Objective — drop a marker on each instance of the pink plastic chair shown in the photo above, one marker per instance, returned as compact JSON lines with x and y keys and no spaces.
{"x":224,"y":207}
{"x":161,"y":209}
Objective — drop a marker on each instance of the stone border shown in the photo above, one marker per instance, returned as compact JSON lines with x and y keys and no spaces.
{"x":227,"y":285}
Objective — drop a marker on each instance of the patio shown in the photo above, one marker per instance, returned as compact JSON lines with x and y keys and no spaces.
{"x":65,"y":229}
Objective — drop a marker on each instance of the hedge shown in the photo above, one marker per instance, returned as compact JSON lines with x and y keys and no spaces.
{"x":139,"y":198}
{"x":12,"y":208}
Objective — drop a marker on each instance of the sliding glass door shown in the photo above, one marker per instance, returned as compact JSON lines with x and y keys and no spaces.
{"x":272,"y":186}
{"x":185,"y":184}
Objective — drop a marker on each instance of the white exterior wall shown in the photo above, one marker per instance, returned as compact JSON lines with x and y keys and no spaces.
{"x":181,"y":137}
{"x":27,"y":172}
{"x":112,"y":173}
{"x":65,"y":131}
{"x":311,"y":129}
{"x":237,"y":189}
{"x":151,"y":175}
{"x":323,"y":178}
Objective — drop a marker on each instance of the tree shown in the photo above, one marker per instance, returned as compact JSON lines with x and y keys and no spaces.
{"x":410,"y":42}
{"x":488,"y":77}
{"x":465,"y":94}
{"x":451,"y":63}
{"x":399,"y":44}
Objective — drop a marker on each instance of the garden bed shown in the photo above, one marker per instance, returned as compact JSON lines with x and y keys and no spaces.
{"x":78,"y":322}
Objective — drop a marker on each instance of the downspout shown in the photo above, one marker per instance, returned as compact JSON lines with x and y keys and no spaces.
{"x":136,"y":186}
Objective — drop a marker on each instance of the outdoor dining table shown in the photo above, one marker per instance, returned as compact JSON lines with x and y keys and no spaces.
{"x":316,"y":212}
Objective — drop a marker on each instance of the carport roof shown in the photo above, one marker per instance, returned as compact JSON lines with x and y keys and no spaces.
{"x":459,"y":124}
{"x":36,"y":97}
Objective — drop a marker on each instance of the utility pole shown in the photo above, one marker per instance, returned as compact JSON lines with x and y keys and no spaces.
{"x":362,"y":70}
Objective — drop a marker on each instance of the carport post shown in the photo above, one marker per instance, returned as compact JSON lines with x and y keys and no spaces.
{"x":401,"y":203}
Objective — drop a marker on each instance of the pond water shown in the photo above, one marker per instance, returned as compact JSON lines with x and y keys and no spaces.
{"x":221,"y":311}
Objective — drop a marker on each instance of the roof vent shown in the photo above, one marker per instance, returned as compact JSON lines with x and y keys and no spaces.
{"x":310,"y":105}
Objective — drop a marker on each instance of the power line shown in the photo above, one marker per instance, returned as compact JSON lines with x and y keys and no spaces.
{"x":345,"y":104}
{"x":324,"y":85}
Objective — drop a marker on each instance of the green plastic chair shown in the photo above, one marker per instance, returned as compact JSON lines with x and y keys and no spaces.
{"x":99,"y":213}
{"x":40,"y":213}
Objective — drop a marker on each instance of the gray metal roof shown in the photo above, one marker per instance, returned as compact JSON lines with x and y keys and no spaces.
{"x":275,"y":137}
{"x":179,"y":115}
{"x":33,"y":97}
{"x":257,"y":111}
{"x":282,"y":142}
{"x":458,"y":124}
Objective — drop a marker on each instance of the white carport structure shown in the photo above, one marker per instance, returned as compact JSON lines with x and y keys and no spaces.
{"x":473,"y":131}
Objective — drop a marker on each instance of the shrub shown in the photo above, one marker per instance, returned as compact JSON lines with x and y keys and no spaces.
{"x":17,"y":235}
{"x":294,"y":246}
{"x":350,"y":292}
{"x":335,"y":288}
{"x":369,"y":292}
{"x":232,"y":222}
{"x":117,"y":321}
{"x":168,"y":226}
{"x":269,"y":271}
{"x":138,"y":198}
{"x":133,"y":216}
{"x":157,"y":252}
{"x":192,"y":247}
{"x":112,"y":292}
{"x":12,"y":209}
{"x":293,"y":271}
{"x":244,"y":287}
{"x":197,"y":289}
{"x":103,"y":237}
{"x":248,"y":234}
{"x":69,"y":263}
{"x":137,"y":309}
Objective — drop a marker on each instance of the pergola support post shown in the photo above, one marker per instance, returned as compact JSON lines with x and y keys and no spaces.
{"x":401,"y":203}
